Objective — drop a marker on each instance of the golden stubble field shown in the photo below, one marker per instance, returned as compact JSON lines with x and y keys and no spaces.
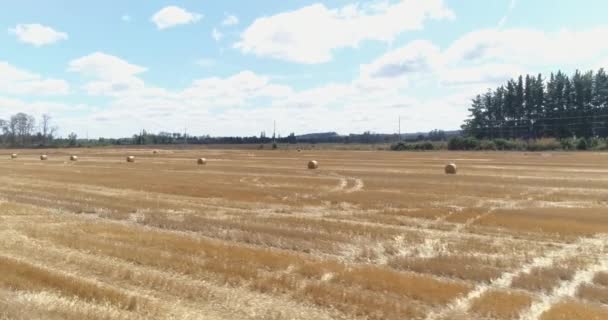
{"x":255,"y":235}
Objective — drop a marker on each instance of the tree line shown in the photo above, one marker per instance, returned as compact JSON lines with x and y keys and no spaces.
{"x":25,"y":131}
{"x":147,"y":138}
{"x":531,"y":107}
{"x":367,"y":137}
{"x":22,"y":130}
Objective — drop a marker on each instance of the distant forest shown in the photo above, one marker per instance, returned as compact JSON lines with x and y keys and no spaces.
{"x":24,"y":131}
{"x":531,"y":107}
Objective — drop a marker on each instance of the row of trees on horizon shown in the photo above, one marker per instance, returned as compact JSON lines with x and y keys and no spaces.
{"x":531,"y":107}
{"x":23,"y":130}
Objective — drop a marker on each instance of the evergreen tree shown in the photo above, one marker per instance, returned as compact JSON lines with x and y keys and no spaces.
{"x":518,"y":106}
{"x":528,"y":106}
{"x":474,"y":126}
{"x":531,"y":107}
{"x":498,"y":111}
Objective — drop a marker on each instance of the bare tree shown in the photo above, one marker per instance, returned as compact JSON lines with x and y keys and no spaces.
{"x":21,"y":127}
{"x":5,"y":131}
{"x":48,"y":131}
{"x":73,"y":139}
{"x":44,"y":126}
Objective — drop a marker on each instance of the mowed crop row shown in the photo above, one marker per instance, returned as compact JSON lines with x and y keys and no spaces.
{"x":256,"y":235}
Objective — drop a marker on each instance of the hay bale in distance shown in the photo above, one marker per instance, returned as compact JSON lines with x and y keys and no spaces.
{"x":313,"y":164}
{"x":130,"y":159}
{"x":201,"y":161}
{"x":14,"y":156}
{"x":155,"y":151}
{"x":73,"y":158}
{"x":450,"y":168}
{"x":44,"y":157}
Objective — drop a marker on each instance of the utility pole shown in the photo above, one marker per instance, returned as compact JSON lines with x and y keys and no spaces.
{"x":400,"y":128}
{"x":185,"y":135}
{"x":274,"y":131}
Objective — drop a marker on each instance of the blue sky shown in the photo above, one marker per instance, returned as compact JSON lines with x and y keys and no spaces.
{"x":232,"y":67}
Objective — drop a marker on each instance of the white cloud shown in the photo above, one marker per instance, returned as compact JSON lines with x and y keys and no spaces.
{"x":159,"y":110}
{"x":530,"y":47}
{"x":16,"y":81}
{"x":126,"y":18}
{"x":10,"y":106}
{"x":37,"y":34}
{"x":429,"y":86}
{"x":216,"y":35}
{"x":241,"y":103}
{"x":416,"y":57}
{"x":421,"y":59}
{"x":488,"y":75}
{"x":235,"y":90}
{"x":104,"y":66}
{"x":487,"y":58}
{"x":310,"y":34}
{"x":230,"y":20}
{"x":172,"y":16}
{"x":112,"y":75}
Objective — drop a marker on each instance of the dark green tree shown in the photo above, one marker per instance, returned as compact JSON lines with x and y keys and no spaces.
{"x":532,"y":107}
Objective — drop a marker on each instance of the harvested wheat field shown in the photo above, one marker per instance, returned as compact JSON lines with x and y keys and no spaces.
{"x":255,"y":234}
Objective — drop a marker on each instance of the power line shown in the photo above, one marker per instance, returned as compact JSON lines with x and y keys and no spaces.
{"x":399,"y":127}
{"x":556,"y":118}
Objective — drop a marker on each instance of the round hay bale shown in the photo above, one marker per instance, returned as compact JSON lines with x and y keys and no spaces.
{"x":299,"y":150}
{"x":450,"y":168}
{"x":130,"y":159}
{"x":155,"y":151}
{"x":201,"y":161}
{"x":44,"y":157}
{"x":14,"y":156}
{"x":313,"y":164}
{"x":73,"y":158}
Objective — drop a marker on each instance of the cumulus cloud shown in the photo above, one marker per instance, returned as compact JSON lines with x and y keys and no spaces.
{"x":422,"y":59}
{"x":486,"y":74}
{"x":235,"y":90}
{"x":113,"y":76}
{"x":37,"y":35}
{"x":16,"y":81}
{"x":206,"y":102}
{"x":310,"y":34}
{"x":105,"y":66}
{"x":530,"y":46}
{"x":417,"y":56}
{"x":490,"y":57}
{"x":110,"y":74}
{"x":230,"y":20}
{"x":172,"y":16}
{"x":10,"y":106}
{"x":428,"y":85}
